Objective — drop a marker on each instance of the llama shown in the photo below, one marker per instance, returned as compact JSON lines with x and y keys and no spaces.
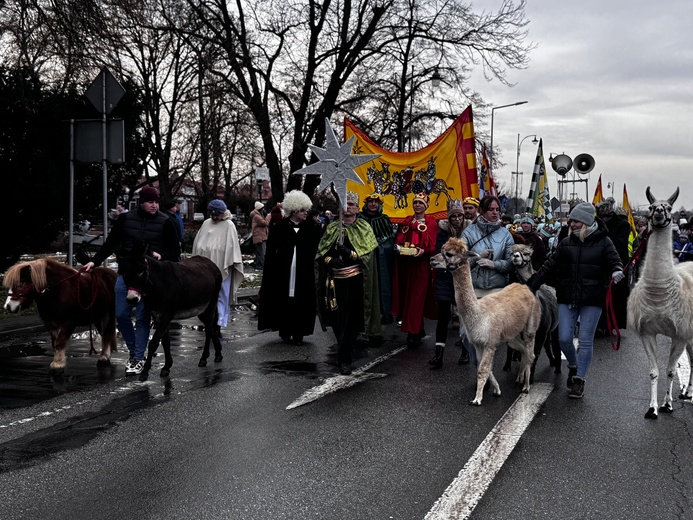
{"x":510,"y":315}
{"x":547,"y":333}
{"x":661,"y":303}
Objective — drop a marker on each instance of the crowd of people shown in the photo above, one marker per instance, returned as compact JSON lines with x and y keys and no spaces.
{"x":358,"y":271}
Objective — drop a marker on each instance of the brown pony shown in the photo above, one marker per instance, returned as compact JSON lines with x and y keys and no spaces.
{"x":65,"y":298}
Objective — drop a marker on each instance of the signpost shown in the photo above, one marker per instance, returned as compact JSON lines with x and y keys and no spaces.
{"x":104,"y":93}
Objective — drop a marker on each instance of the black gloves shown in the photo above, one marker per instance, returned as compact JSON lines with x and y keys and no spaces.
{"x":334,"y":262}
{"x":345,"y":252}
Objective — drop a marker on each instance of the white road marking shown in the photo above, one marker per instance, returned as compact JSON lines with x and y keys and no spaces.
{"x":463,"y":494}
{"x":340,"y":382}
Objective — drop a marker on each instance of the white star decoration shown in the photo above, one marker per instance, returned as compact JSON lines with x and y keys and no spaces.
{"x":336,"y":163}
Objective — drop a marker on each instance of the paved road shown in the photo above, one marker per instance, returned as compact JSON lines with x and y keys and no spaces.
{"x":219,"y":442}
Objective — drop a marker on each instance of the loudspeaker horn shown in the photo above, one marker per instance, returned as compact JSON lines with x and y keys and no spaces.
{"x":561,"y":164}
{"x":584,"y":163}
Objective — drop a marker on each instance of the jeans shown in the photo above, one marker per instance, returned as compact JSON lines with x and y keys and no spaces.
{"x":135,"y":338}
{"x":260,"y":248}
{"x":567,"y":318}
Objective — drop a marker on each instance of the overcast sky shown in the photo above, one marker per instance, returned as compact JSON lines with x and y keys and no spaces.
{"x":611,"y":78}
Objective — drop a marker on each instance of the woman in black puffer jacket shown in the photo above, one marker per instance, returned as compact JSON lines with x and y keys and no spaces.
{"x":582,"y":266}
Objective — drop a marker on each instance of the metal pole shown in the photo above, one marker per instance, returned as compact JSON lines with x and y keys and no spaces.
{"x":517,"y":164}
{"x":517,"y":169}
{"x":71,"y":238}
{"x":492,"y":114}
{"x":105,"y":163}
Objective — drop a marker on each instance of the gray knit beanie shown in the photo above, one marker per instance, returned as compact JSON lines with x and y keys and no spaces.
{"x":583,"y":212}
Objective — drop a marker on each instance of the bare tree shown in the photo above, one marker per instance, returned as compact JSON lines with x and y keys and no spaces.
{"x":294,"y":64}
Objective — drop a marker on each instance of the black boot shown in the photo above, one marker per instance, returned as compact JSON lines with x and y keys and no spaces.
{"x":464,"y":357}
{"x":572,"y":372}
{"x":437,"y":360}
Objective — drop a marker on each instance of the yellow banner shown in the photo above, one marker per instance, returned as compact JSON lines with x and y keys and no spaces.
{"x":444,"y":170}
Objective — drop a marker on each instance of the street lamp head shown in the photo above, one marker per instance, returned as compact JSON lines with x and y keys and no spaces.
{"x":436,"y":78}
{"x":535,"y":141}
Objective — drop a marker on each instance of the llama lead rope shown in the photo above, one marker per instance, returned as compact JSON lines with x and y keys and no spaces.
{"x":611,"y":322}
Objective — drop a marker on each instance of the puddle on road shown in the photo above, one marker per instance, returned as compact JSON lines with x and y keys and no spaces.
{"x":25,"y":361}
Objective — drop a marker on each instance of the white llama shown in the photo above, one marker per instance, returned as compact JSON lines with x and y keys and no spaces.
{"x":511,"y":315}
{"x":662,"y":302}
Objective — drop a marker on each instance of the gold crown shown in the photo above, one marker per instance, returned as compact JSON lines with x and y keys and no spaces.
{"x":422,"y":197}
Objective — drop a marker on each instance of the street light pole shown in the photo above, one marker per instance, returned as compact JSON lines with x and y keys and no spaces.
{"x":492,"y":114}
{"x":517,"y":164}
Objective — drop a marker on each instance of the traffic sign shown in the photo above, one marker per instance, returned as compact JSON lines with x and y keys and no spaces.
{"x":105,"y":98}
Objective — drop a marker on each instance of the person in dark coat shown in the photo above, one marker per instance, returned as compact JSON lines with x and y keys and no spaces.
{"x":618,"y":230}
{"x":532,"y":239}
{"x":585,"y":262}
{"x":173,"y":212}
{"x":287,"y":293}
{"x":348,"y":296}
{"x":372,"y":212}
{"x":444,"y":287}
{"x":155,"y":229}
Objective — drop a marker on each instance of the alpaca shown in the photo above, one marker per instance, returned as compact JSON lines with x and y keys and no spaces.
{"x":547,"y":333}
{"x":661,"y":302}
{"x":510,"y":315}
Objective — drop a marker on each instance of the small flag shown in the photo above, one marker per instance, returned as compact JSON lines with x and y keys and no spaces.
{"x":598,"y":197}
{"x":633,"y":230}
{"x":539,"y":201}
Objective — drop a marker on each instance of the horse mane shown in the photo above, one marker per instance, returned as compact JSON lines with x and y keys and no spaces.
{"x":37,"y":270}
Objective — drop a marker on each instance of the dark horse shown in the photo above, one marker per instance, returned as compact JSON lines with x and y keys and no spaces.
{"x":65,"y":298}
{"x":174,"y":290}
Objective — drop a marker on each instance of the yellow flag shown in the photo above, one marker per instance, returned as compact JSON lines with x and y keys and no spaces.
{"x":444,"y":170}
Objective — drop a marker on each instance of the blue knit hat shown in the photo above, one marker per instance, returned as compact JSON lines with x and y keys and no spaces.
{"x":216,"y":207}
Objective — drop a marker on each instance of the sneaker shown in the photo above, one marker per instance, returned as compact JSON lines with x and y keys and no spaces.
{"x":578,"y":389}
{"x":572,"y":372}
{"x":131,"y":363}
{"x":136,"y":368}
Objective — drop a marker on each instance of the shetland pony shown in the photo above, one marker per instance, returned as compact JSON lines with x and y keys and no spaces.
{"x":65,"y":298}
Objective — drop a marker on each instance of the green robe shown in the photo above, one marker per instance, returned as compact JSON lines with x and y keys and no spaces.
{"x":362,"y":239}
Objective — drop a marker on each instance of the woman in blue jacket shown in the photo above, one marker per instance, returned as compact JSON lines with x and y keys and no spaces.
{"x":493,"y":243}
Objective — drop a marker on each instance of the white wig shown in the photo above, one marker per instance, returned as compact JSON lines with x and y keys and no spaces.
{"x":295,"y":201}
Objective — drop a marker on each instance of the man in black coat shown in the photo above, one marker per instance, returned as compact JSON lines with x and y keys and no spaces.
{"x":287,"y":295}
{"x":153,"y":228}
